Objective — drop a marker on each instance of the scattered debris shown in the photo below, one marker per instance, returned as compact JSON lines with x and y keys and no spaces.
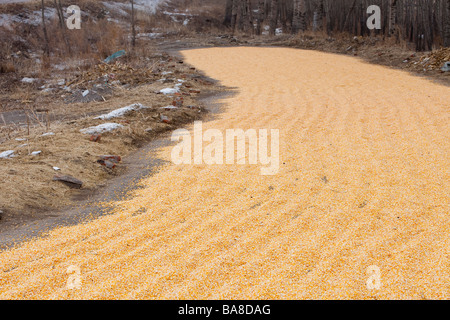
{"x":115,"y":56}
{"x":446,"y":67}
{"x":56,"y":169}
{"x":436,"y":59}
{"x":105,"y":127}
{"x":69,"y":181}
{"x":36,"y":153}
{"x":363,"y":204}
{"x":96,"y":137}
{"x":85,"y":93}
{"x":48,"y":134}
{"x":106,"y":163}
{"x":115,"y":159}
{"x":178,"y":101}
{"x":165,"y":119}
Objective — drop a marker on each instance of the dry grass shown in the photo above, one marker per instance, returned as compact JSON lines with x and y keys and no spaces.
{"x":26,"y":180}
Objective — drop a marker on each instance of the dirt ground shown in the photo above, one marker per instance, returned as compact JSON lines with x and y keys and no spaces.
{"x":363,"y":182}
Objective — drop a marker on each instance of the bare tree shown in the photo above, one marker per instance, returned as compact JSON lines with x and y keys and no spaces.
{"x":133,"y":25}
{"x":299,"y":18}
{"x":392,"y":16}
{"x":228,"y":8}
{"x":273,"y":17}
{"x":44,"y":29}
{"x":234,"y":13}
{"x":260,"y":17}
{"x":319,"y":12}
{"x":424,"y":23}
{"x":447,"y":25}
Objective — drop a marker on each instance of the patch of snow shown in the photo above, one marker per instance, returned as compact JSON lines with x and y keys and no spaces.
{"x":26,"y":17}
{"x":169,"y":107}
{"x":35,"y":153}
{"x":85,"y":93}
{"x":151,"y":35}
{"x":105,"y":127}
{"x":121,"y":111}
{"x":168,"y":91}
{"x":29,"y":80}
{"x":48,"y":134}
{"x":56,"y":169}
{"x":7,"y":154}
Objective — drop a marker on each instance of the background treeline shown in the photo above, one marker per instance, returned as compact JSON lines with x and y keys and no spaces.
{"x":425,"y":23}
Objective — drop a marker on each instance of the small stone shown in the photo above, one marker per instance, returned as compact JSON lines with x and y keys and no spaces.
{"x":96,"y":137}
{"x":69,"y":181}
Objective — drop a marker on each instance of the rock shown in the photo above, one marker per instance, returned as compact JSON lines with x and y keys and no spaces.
{"x":115,"y":159}
{"x":106,"y":163}
{"x":95,"y":137}
{"x":69,"y":181}
{"x":165,"y":119}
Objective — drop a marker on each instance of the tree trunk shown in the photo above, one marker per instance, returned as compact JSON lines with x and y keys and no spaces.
{"x":299,"y":18}
{"x":133,"y":26}
{"x":392,"y":17}
{"x":447,"y":25}
{"x":273,"y":17}
{"x":260,"y":18}
{"x":347,"y":18}
{"x":245,"y":16}
{"x":319,"y":13}
{"x":44,"y":29}
{"x":228,"y":11}
{"x":59,"y":12}
{"x":234,"y":12}
{"x":249,"y":16}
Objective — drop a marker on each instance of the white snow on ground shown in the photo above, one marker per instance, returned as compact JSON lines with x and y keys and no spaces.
{"x":168,"y":91}
{"x":152,"y":35}
{"x":33,"y":18}
{"x":28,"y":80}
{"x":105,"y":127}
{"x":7,"y":154}
{"x":120,"y":112}
{"x":149,"y":6}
